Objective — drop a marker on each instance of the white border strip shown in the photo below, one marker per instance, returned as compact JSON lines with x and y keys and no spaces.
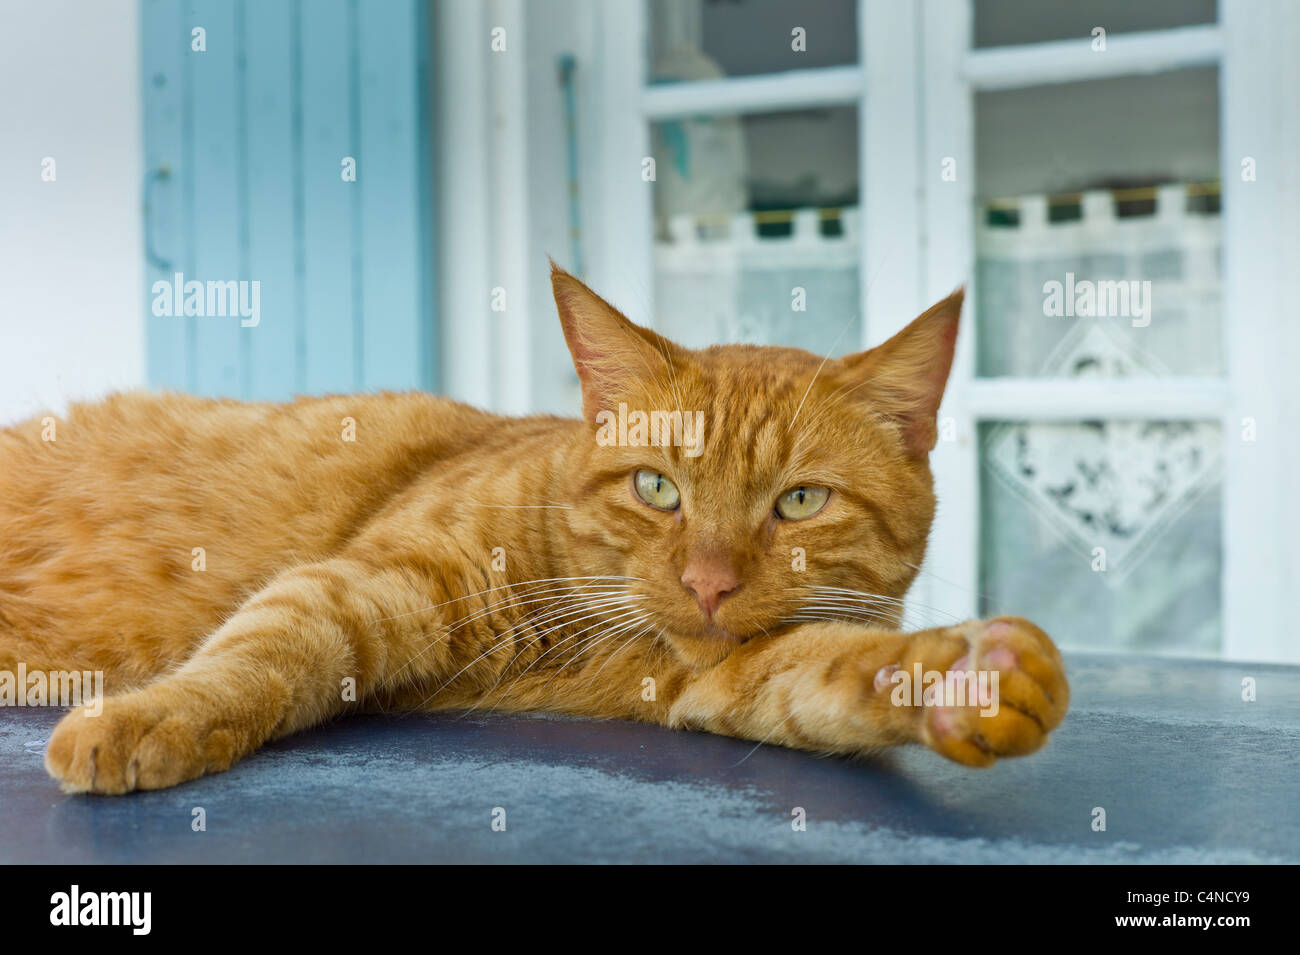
{"x":1036,"y":399}
{"x":766,"y":93}
{"x":1068,"y":61}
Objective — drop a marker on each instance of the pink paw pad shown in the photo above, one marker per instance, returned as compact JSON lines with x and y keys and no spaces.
{"x":1000,"y":658}
{"x":882,"y":680}
{"x":1003,"y":658}
{"x":943,"y":721}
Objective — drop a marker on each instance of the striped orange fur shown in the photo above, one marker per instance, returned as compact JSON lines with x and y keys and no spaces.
{"x":239,"y":571}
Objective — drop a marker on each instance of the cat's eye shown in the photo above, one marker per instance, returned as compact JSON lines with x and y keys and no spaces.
{"x":800,"y":502}
{"x":656,"y":490}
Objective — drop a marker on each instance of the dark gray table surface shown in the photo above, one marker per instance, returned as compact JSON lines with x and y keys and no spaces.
{"x":1186,"y":771}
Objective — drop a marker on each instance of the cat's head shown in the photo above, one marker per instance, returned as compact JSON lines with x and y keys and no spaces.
{"x":743,"y":487}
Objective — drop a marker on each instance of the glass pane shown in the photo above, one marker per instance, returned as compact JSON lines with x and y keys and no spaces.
{"x":1007,"y":22}
{"x":706,"y":39}
{"x":1106,"y":534}
{"x":756,"y":229}
{"x":1099,"y":248}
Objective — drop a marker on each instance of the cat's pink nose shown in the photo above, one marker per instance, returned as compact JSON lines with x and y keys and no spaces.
{"x":710,"y":582}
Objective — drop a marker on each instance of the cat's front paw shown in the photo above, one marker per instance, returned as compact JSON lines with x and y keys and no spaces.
{"x":136,"y":742}
{"x":1016,"y":693}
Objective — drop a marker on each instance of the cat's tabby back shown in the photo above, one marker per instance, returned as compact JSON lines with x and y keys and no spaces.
{"x":722,"y":544}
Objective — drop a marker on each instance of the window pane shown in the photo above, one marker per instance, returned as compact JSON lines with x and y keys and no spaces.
{"x":1106,"y":534}
{"x":1098,"y":241}
{"x":1008,"y":22}
{"x":756,"y":234}
{"x":705,"y":39}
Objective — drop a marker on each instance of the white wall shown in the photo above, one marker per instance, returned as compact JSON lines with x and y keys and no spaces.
{"x":71,"y":266}
{"x":562,"y":26}
{"x":502,"y":195}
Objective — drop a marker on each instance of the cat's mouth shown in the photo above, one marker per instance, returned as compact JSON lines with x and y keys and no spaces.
{"x":705,"y":646}
{"x":711,"y":631}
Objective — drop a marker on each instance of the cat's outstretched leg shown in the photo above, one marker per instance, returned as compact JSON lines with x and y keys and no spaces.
{"x":836,"y":688}
{"x":300,"y":651}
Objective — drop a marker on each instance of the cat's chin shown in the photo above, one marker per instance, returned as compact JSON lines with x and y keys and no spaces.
{"x":708,"y":647}
{"x":714,"y":632}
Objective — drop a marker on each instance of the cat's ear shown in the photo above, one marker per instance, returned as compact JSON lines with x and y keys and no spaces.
{"x":614,"y":358}
{"x":904,"y":377}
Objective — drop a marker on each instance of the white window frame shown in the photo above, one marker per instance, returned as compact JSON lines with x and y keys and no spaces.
{"x":914,"y":89}
{"x":1260,"y":526}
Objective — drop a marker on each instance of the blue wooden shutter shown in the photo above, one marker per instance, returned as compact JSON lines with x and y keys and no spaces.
{"x":244,"y":145}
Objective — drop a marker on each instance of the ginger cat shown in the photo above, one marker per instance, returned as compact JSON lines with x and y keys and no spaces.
{"x":240,"y":571}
